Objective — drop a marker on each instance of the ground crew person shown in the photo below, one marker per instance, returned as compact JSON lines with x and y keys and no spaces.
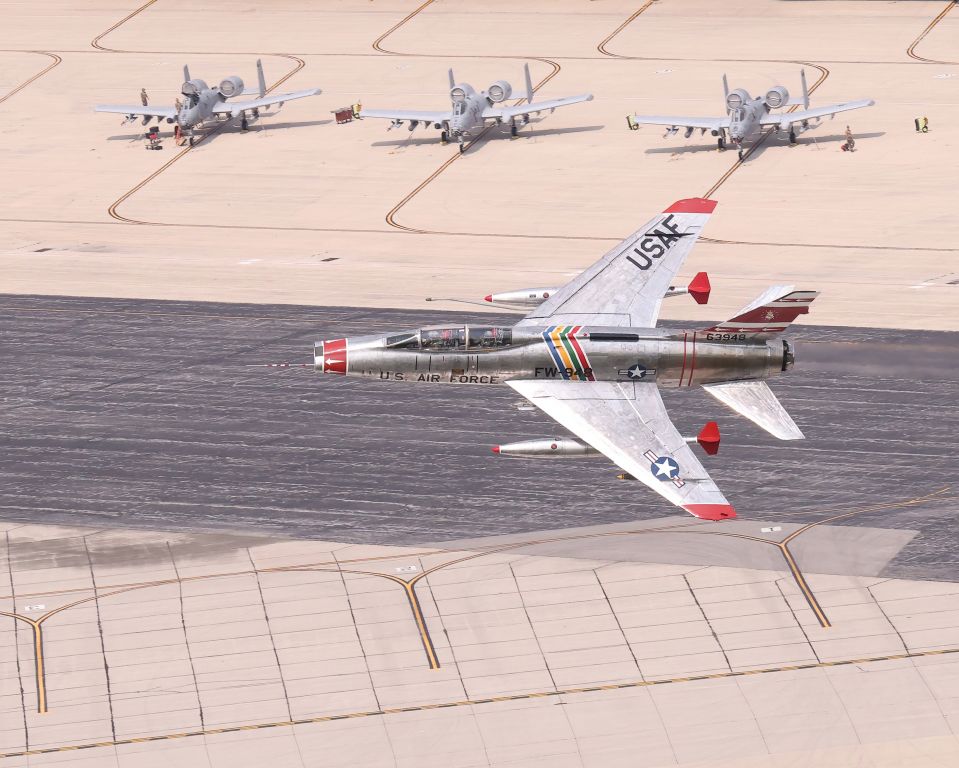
{"x":850,"y":145}
{"x":924,"y":124}
{"x":144,"y":98}
{"x":356,"y":110}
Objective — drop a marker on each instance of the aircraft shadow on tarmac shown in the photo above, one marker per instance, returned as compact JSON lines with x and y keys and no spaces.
{"x":208,"y":133}
{"x":773,"y":142}
{"x":492,"y":136}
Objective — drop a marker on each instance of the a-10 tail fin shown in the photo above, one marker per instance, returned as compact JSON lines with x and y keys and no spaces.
{"x":261,"y":79}
{"x":770,"y":313}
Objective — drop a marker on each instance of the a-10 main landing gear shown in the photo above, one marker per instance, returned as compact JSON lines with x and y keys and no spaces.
{"x":721,"y":144}
{"x":444,"y":138}
{"x":792,"y":136}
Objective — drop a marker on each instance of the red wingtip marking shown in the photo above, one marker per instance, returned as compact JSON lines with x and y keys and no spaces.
{"x":699,"y":288}
{"x":692,"y":205}
{"x":495,"y":449}
{"x":711,"y":511}
{"x":488,"y":298}
{"x":708,"y":438}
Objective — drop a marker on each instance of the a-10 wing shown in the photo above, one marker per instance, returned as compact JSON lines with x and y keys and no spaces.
{"x":707,"y":123}
{"x":507,"y":113}
{"x":628,"y":423}
{"x":129,"y":109}
{"x":236,"y":107}
{"x":407,"y":114}
{"x":818,"y":112}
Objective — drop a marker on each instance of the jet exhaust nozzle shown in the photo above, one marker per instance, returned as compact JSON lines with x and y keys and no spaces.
{"x":789,"y":355}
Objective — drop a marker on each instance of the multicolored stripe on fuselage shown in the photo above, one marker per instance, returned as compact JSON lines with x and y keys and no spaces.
{"x":564,"y":348}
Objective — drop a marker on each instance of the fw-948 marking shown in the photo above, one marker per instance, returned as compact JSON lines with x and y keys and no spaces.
{"x":589,"y":355}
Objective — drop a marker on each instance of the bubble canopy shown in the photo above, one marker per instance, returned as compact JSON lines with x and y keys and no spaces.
{"x":465,"y":337}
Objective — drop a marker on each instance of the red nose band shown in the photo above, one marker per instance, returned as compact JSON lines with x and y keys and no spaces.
{"x":334,"y":356}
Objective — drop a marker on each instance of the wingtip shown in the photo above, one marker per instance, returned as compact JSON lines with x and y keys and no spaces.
{"x":692,"y":205}
{"x":488,"y":298}
{"x":711,"y":511}
{"x":495,"y":449}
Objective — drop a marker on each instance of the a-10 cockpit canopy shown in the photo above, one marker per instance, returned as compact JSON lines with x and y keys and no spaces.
{"x":462,"y":337}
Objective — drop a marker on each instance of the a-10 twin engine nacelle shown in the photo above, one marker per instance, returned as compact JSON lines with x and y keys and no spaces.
{"x":777,"y":97}
{"x":193,"y":87}
{"x":557,"y":447}
{"x":737,"y":98}
{"x":461,"y":92}
{"x":499,"y":91}
{"x":231,"y":86}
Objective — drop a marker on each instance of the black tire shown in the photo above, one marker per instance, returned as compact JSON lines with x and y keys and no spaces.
{"x":512,"y":131}
{"x":792,"y":137}
{"x":192,"y":141}
{"x":444,"y":138}
{"x":740,"y":153}
{"x":462,"y":148}
{"x":721,"y":143}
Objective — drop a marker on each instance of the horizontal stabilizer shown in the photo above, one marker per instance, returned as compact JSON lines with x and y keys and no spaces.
{"x":770,"y":313}
{"x":756,"y":401}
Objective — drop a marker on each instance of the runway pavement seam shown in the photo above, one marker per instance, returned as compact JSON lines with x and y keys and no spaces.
{"x":186,"y":638}
{"x":709,"y":624}
{"x":269,"y":633}
{"x":103,"y":646}
{"x":16,"y":640}
{"x":619,"y":624}
{"x":527,"y":696}
{"x":410,"y":585}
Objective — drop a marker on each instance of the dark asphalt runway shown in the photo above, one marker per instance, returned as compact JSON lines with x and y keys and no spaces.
{"x":154,"y":414}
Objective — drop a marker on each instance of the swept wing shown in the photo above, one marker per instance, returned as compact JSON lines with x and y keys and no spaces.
{"x":537,"y":106}
{"x":709,"y":123}
{"x":236,"y":107}
{"x":628,"y":423}
{"x":810,"y":114}
{"x":626,"y":286}
{"x":407,"y":114}
{"x":122,"y":109}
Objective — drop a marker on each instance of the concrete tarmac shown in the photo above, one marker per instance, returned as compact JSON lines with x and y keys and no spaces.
{"x":155,"y":414}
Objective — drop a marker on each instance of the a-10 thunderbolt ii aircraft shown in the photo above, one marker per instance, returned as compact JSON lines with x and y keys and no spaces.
{"x":203,"y":103}
{"x":746,"y":116}
{"x":591,"y":357}
{"x":471,"y":111}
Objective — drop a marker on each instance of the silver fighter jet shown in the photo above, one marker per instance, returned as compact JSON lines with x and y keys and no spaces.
{"x":746,"y":116}
{"x":202,"y":103}
{"x":591,"y":357}
{"x":471,"y":111}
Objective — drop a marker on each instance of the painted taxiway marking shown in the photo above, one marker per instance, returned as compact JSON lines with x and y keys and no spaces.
{"x":911,"y":50}
{"x":476,"y":702}
{"x":41,"y":73}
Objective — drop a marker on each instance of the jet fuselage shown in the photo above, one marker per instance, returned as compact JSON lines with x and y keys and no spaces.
{"x":494,"y":355}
